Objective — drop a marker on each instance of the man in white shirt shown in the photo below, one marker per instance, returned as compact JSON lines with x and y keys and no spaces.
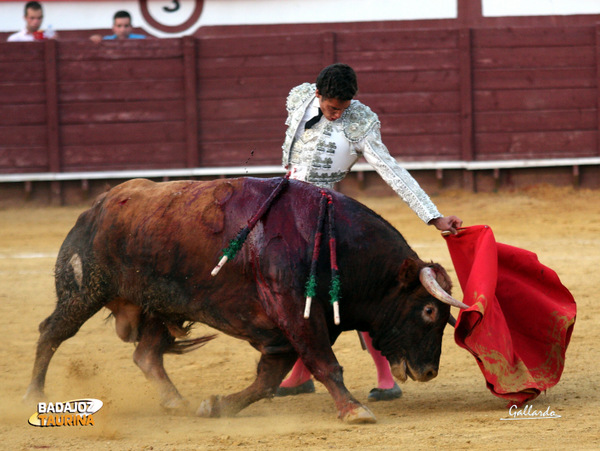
{"x":33,"y":21}
{"x":327,"y":132}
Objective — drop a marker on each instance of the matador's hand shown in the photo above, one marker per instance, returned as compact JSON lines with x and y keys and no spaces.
{"x":447,"y":223}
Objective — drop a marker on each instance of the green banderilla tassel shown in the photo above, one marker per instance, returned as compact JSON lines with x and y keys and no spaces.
{"x":334,"y":289}
{"x":230,"y":251}
{"x":233,"y":248}
{"x":311,"y":286}
{"x":236,"y":244}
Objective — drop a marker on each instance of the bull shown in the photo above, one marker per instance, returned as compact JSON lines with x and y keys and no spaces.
{"x":145,"y":251}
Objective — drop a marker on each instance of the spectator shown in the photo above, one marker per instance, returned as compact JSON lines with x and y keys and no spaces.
{"x":121,"y":29}
{"x":33,"y":21}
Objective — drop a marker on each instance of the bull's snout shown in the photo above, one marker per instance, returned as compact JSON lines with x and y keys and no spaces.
{"x":404,"y":369}
{"x":428,"y":374}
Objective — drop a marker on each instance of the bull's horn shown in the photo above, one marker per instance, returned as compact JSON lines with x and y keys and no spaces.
{"x":429,"y":281}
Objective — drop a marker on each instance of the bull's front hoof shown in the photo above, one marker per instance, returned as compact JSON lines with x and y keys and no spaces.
{"x":210,"y":408}
{"x":359,"y":415}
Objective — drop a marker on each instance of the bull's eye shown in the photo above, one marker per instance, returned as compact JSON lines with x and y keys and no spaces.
{"x":429,"y":313}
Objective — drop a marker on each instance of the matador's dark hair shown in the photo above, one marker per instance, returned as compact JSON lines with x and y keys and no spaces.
{"x":337,"y":81}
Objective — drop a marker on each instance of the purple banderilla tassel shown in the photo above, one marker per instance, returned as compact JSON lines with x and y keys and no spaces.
{"x":236,"y":244}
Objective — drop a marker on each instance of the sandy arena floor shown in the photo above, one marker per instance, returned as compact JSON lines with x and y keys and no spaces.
{"x":455,"y":410}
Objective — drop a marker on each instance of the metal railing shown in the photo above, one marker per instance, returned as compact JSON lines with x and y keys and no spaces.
{"x":275,"y":169}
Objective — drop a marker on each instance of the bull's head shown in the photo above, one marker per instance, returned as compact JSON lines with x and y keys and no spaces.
{"x":412,"y":342}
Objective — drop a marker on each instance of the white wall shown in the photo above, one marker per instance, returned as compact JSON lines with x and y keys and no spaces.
{"x":500,"y":8}
{"x":63,"y":15}
{"x":98,"y":14}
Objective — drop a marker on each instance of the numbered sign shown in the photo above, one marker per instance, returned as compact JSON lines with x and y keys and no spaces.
{"x":172,"y":18}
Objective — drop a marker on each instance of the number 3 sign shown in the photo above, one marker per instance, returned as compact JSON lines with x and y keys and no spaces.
{"x":172,"y":18}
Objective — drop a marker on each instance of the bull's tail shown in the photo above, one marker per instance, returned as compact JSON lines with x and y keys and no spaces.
{"x":185,"y":346}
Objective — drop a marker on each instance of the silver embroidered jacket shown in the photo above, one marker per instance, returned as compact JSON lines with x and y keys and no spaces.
{"x":324,"y":154}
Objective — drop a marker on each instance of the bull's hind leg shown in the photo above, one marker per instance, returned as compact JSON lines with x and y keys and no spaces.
{"x":73,"y":309}
{"x":271,"y":370}
{"x":154,"y":341}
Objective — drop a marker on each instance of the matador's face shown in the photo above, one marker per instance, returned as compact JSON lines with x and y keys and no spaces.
{"x":332,"y":108}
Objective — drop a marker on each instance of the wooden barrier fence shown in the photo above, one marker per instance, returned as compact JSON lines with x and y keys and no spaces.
{"x":458,"y":96}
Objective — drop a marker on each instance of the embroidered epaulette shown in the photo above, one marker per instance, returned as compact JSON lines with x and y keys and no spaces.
{"x":299,"y":95}
{"x":357,"y":121}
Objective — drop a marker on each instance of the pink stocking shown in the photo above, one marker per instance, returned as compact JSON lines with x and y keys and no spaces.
{"x":298,"y":376}
{"x":385,"y":379}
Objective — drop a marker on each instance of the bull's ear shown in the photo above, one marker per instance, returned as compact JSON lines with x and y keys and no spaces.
{"x":409,"y":273}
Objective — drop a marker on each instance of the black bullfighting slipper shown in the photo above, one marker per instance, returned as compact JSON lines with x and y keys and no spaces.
{"x":385,"y":394}
{"x":306,"y":387}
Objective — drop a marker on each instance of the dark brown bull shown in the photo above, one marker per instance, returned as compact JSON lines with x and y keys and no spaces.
{"x":146,"y":250}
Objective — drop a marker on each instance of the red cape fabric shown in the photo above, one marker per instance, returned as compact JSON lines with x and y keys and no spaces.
{"x":520,"y":318}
